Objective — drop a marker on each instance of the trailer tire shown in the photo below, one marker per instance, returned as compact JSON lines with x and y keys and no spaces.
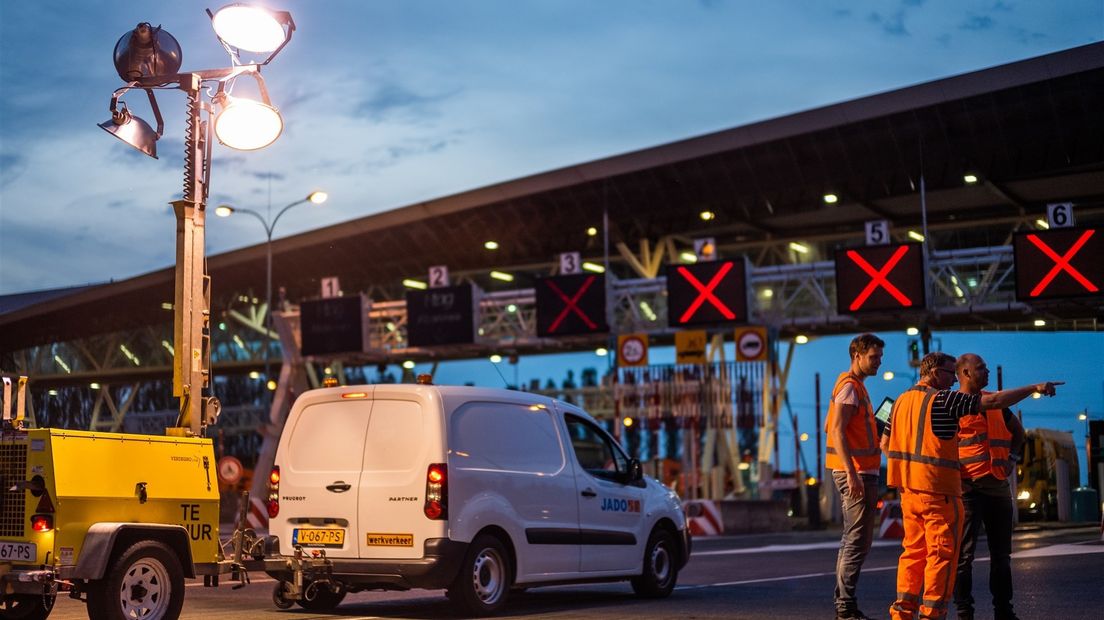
{"x":280,"y":598}
{"x":319,"y":597}
{"x":145,"y":581}
{"x":27,"y":606}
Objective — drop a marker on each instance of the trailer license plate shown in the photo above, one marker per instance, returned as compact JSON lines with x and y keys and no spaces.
{"x":311,"y":537}
{"x":18,"y":552}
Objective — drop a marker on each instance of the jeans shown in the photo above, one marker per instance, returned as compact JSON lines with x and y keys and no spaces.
{"x":859,"y":517}
{"x":995,"y":512}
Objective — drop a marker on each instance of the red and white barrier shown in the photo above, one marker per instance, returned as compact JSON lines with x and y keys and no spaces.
{"x":703,"y":517}
{"x":258,"y":514}
{"x":892,"y":524}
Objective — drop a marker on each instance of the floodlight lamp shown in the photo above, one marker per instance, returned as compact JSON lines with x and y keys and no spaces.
{"x":132,"y":130}
{"x":318,"y":197}
{"x":147,"y":52}
{"x":245,"y":124}
{"x":241,"y":27}
{"x":224,"y":210}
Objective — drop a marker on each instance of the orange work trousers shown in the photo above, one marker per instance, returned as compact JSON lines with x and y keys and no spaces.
{"x":926,"y":571}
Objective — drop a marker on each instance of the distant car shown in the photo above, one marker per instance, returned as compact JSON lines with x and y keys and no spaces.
{"x":470,"y":489}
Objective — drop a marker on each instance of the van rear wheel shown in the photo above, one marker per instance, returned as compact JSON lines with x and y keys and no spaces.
{"x":483,"y":584}
{"x":660,"y":571}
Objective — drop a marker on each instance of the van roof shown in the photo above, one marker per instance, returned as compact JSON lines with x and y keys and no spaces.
{"x":461,"y":392}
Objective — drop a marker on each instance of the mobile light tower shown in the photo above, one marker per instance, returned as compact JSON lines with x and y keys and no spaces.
{"x":148,"y":58}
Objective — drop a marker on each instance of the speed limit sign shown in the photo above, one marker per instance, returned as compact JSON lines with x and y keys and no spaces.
{"x":632,"y":350}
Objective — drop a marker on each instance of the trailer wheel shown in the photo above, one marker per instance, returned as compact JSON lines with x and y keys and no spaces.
{"x":146,"y":581}
{"x":660,"y":573}
{"x":483,"y":584}
{"x":280,"y":598}
{"x":27,"y":606}
{"x":319,"y":597}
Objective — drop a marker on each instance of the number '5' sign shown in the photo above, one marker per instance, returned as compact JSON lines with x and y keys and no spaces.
{"x":877,"y":232}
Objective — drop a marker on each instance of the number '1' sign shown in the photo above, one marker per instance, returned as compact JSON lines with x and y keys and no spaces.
{"x":880,"y":278}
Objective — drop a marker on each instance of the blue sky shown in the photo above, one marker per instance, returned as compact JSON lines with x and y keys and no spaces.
{"x":389,"y":102}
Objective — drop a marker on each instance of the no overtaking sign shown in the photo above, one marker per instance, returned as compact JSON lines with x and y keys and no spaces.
{"x":751,"y":344}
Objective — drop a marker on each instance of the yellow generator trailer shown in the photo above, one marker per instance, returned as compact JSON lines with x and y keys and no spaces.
{"x":116,"y":520}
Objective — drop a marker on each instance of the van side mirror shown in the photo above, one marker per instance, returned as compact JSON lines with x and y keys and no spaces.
{"x":636,"y":472}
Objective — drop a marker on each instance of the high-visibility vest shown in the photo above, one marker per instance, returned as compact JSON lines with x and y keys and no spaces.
{"x":917,"y":459}
{"x":862,"y":440}
{"x":984,"y":443}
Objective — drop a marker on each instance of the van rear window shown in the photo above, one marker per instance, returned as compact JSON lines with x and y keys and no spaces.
{"x":505,"y":437}
{"x":329,"y":437}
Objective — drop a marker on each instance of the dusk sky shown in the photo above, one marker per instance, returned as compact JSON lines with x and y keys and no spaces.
{"x":390,"y":102}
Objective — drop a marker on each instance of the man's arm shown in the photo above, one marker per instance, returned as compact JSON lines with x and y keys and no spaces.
{"x":843,"y":451}
{"x":1007,"y":398}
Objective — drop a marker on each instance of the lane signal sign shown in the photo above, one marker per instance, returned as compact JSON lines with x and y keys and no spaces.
{"x":571,"y":305}
{"x":880,"y":278}
{"x":707,"y":293}
{"x":1058,"y":263}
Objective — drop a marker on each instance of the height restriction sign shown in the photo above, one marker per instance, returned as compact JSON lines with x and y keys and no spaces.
{"x":1059,"y":263}
{"x":880,"y":278}
{"x":707,"y":293}
{"x":571,"y":305}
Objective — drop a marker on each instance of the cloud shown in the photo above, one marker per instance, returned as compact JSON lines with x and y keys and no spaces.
{"x":977,"y":23}
{"x":396,"y":101}
{"x":1028,"y":37}
{"x":1003,"y":6}
{"x":892,"y":25}
{"x":913,"y":2}
{"x":268,"y":176}
{"x":11,"y":166}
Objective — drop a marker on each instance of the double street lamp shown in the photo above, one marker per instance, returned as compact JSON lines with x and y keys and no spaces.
{"x":226,"y":211}
{"x":148,"y":58}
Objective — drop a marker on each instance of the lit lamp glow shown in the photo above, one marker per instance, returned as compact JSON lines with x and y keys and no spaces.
{"x":248,"y":28}
{"x":247,"y":125}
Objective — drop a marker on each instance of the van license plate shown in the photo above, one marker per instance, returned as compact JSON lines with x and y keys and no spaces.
{"x":18,"y":552}
{"x":318,"y":537}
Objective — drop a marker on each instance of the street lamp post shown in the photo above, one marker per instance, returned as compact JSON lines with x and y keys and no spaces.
{"x":226,"y":211}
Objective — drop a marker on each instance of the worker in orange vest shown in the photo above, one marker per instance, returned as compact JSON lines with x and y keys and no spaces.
{"x":989,"y":444}
{"x":855,"y":459}
{"x":921,"y":446}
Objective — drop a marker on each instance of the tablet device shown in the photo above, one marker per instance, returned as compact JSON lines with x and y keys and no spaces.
{"x":884,"y":410}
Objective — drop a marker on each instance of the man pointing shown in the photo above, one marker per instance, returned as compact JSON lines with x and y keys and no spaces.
{"x":921,"y":444}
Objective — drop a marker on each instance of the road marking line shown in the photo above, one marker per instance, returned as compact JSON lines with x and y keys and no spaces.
{"x":199,"y":584}
{"x":832,"y":544}
{"x":1058,"y":550}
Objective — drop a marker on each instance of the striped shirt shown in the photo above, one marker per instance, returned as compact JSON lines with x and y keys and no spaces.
{"x":947,"y":407}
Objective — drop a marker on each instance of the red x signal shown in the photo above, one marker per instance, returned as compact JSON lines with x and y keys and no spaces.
{"x":705,"y":293}
{"x":571,"y":304}
{"x":878,"y":278}
{"x":1062,"y":263}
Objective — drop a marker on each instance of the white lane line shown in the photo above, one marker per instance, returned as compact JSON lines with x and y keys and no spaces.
{"x":831,"y":544}
{"x":1057,"y":550}
{"x":226,"y":582}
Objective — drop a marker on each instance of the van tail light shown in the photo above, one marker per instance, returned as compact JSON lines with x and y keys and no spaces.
{"x":274,"y":492}
{"x":436,"y":502}
{"x":42,"y":523}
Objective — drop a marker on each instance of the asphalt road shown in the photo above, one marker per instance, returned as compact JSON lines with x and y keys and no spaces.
{"x":1057,"y":573}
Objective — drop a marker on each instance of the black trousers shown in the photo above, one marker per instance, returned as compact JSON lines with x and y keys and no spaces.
{"x":995,"y":512}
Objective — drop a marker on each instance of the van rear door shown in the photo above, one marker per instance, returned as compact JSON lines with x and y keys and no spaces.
{"x":404,"y":437}
{"x":320,"y":469}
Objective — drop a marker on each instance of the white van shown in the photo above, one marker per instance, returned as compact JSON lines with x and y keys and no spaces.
{"x":475,"y":490}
